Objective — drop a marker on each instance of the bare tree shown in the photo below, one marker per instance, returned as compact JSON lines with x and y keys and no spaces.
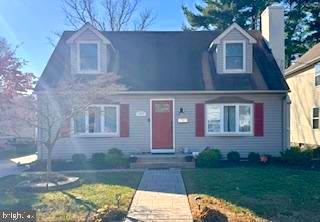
{"x":114,"y":15}
{"x":56,"y":107}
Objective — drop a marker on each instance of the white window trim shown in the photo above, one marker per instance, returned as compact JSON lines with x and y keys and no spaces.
{"x":237,"y":132}
{"x":243,"y":70}
{"x":98,"y":70}
{"x":101,"y":134}
{"x":315,"y":74}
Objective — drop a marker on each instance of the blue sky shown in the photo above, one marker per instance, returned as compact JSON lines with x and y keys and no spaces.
{"x":28,"y":23}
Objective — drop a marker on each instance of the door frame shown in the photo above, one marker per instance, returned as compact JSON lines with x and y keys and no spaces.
{"x":173,"y":127}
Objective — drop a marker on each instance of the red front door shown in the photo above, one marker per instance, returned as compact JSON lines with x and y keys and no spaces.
{"x":162,"y":124}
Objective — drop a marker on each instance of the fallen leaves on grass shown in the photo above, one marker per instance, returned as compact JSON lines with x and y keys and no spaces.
{"x":218,"y":210}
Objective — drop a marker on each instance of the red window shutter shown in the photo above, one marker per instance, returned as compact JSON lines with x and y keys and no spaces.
{"x":124,"y":120}
{"x":258,"y":119}
{"x":65,"y":130}
{"x":199,"y":119}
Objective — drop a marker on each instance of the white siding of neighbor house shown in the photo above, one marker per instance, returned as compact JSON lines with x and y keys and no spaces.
{"x":234,"y":35}
{"x":139,"y":131}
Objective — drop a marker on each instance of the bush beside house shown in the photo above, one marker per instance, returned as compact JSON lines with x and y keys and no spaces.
{"x":293,"y":157}
{"x":114,"y":158}
{"x":208,"y":158}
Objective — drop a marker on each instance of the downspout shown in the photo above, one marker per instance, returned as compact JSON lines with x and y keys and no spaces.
{"x":286,"y":122}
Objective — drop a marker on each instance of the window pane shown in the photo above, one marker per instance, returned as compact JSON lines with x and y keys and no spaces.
{"x":213,"y":118}
{"x":162,"y":107}
{"x":234,"y":56}
{"x":315,"y":124}
{"x":244,"y":118}
{"x":234,"y":49}
{"x":315,"y":112}
{"x":94,"y":119}
{"x":110,"y":119}
{"x":88,"y":56}
{"x":229,"y":119}
{"x":317,"y":80}
{"x":79,"y":123}
{"x":317,"y":69}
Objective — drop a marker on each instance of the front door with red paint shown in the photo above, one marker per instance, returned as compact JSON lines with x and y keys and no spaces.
{"x":162,"y":125}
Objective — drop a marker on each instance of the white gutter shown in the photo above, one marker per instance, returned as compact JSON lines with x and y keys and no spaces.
{"x":204,"y":92}
{"x":287,"y":73}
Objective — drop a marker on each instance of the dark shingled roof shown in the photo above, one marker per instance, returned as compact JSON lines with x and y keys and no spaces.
{"x":158,"y":61}
{"x":310,"y":57}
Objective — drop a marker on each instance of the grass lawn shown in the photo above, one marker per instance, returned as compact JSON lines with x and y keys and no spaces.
{"x":256,"y":193}
{"x":97,"y":190}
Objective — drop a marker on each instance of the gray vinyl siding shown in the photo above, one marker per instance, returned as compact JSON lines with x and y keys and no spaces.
{"x":88,"y":36}
{"x":234,"y":35}
{"x":139,"y":138}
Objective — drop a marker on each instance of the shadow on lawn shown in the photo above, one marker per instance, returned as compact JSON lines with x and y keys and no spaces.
{"x":90,"y":207}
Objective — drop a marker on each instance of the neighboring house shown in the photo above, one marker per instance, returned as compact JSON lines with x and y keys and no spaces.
{"x":303,"y":77}
{"x":221,"y":89}
{"x":13,"y":132}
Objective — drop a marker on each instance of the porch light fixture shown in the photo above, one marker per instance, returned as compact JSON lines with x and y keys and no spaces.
{"x":181,"y":111}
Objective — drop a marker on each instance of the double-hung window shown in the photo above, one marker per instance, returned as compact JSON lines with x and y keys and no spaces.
{"x":228,"y":119}
{"x":317,"y":74}
{"x":97,"y":120}
{"x":315,"y":118}
{"x":88,"y":57}
{"x":234,"y":56}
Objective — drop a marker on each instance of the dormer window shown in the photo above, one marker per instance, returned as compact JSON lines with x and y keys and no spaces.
{"x":234,"y":56}
{"x":88,"y":57}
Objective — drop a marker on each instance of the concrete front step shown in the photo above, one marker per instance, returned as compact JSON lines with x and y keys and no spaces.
{"x":161,"y":158}
{"x":160,"y":165}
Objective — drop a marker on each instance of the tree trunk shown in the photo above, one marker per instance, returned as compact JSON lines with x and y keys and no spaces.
{"x":49,"y":166}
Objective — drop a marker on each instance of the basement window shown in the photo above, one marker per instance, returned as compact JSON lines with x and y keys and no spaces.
{"x":315,"y":118}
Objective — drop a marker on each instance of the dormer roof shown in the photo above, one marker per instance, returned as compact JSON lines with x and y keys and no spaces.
{"x":229,"y":29}
{"x":84,"y":28}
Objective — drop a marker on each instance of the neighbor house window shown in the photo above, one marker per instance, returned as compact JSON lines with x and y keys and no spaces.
{"x":229,"y":119}
{"x":88,"y":57}
{"x":317,"y":74}
{"x":97,"y":119}
{"x":315,"y":118}
{"x":234,"y":56}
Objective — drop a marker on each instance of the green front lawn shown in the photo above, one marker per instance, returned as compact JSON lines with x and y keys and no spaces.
{"x":97,"y":190}
{"x":256,"y":193}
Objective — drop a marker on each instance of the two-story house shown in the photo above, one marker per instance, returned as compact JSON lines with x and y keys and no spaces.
{"x":303,"y":77}
{"x":187,"y":90}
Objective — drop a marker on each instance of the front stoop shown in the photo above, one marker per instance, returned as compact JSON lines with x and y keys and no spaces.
{"x":159,"y":161}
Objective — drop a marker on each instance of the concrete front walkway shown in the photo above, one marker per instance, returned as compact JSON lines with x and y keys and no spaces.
{"x":161,"y":196}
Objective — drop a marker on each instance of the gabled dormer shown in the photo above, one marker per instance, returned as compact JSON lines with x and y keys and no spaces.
{"x":233,"y":51}
{"x":88,"y":51}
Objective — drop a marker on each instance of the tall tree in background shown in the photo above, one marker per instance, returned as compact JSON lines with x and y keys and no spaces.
{"x":301,"y":24}
{"x":13,"y":81}
{"x":114,"y":15}
{"x":313,"y":23}
{"x":219,"y":14}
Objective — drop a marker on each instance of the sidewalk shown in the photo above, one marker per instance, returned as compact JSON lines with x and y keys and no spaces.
{"x":9,"y":167}
{"x":161,"y":196}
